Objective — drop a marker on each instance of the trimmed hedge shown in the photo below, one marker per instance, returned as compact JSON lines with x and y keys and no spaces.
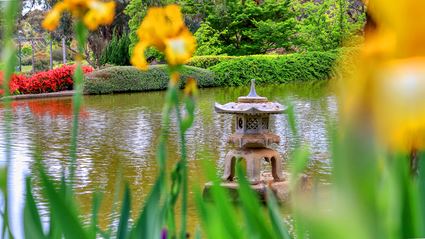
{"x":208,"y":61}
{"x":222,"y":71}
{"x":129,"y":79}
{"x":275,"y":68}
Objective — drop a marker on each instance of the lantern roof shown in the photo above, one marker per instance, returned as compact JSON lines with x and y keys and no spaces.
{"x":251,"y":104}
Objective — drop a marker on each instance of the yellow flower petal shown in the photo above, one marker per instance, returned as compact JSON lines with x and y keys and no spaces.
{"x":398,"y":103}
{"x":138,"y":57}
{"x":173,"y":19}
{"x":164,"y":29}
{"x":161,"y":24}
{"x":385,"y":95}
{"x":52,"y":19}
{"x":100,"y":13}
{"x":180,"y":48}
{"x":191,"y":87}
{"x":175,"y":77}
{"x":151,"y":28}
{"x":77,"y":7}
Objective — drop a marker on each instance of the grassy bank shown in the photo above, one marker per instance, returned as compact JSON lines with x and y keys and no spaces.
{"x":213,"y":71}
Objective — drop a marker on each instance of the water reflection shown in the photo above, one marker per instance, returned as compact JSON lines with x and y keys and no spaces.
{"x":119,"y":133}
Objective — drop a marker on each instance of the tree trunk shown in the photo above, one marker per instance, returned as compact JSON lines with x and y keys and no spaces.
{"x":33,"y":57}
{"x":64,"y":51}
{"x":51,"y":52}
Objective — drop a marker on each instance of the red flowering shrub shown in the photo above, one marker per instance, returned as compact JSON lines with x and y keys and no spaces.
{"x":58,"y":79}
{"x":13,"y":84}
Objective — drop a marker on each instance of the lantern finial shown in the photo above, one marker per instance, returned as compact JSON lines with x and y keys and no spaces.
{"x":252,"y":92}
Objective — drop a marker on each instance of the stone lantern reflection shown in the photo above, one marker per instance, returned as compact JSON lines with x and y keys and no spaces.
{"x":253,"y":137}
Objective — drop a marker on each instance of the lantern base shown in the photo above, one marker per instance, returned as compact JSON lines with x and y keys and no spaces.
{"x":280,"y":189}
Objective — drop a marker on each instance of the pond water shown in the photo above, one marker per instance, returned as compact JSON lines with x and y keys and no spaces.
{"x":119,"y":133}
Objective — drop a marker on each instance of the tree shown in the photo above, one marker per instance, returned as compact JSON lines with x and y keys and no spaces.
{"x":251,"y":27}
{"x":328,"y":24}
{"x":208,"y":40}
{"x":97,"y":40}
{"x":137,"y":9}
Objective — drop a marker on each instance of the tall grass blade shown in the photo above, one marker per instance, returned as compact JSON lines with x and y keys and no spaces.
{"x":221,"y":210}
{"x":421,"y":186}
{"x":198,"y":233}
{"x":212,"y":222}
{"x":117,"y":189}
{"x":125,"y":214}
{"x":32,"y":220}
{"x":150,"y":221}
{"x":9,"y":10}
{"x":300,"y":160}
{"x":256,"y":224}
{"x":55,"y":231}
{"x":63,"y":213}
{"x":278,"y":225}
{"x":97,"y":199}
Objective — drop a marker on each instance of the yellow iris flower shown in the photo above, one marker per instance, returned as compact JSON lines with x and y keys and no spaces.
{"x":164,"y":29}
{"x":51,"y":22}
{"x":99,"y":13}
{"x":398,"y":103}
{"x":191,"y":88}
{"x":387,"y":91}
{"x":93,"y":13}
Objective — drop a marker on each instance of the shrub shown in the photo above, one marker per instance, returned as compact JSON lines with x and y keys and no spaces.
{"x":275,"y":68}
{"x":57,"y":54}
{"x":26,"y":61}
{"x":58,"y":79}
{"x":26,"y":50}
{"x":41,"y":61}
{"x":208,"y":40}
{"x":208,"y":61}
{"x":116,"y":52}
{"x":55,"y":80}
{"x":13,"y":83}
{"x":129,"y":79}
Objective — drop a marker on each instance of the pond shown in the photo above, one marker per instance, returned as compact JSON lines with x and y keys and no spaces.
{"x":119,"y":133}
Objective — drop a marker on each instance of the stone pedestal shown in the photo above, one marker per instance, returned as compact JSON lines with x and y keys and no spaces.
{"x":280,"y":189}
{"x":253,"y":158}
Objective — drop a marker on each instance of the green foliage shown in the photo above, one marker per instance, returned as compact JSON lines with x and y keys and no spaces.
{"x":116,"y":52}
{"x":222,"y":71}
{"x":153,"y":55}
{"x":128,"y":79}
{"x":26,"y":50}
{"x":208,"y":61}
{"x":248,"y":27}
{"x":41,"y":62}
{"x":328,"y":24}
{"x":57,"y":54}
{"x":270,"y":34}
{"x":208,"y":40}
{"x":136,"y":9}
{"x":275,"y":68}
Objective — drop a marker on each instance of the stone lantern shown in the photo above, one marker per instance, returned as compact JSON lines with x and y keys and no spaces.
{"x":253,"y":138}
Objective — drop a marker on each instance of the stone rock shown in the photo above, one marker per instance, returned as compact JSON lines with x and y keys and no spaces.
{"x":280,"y":189}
